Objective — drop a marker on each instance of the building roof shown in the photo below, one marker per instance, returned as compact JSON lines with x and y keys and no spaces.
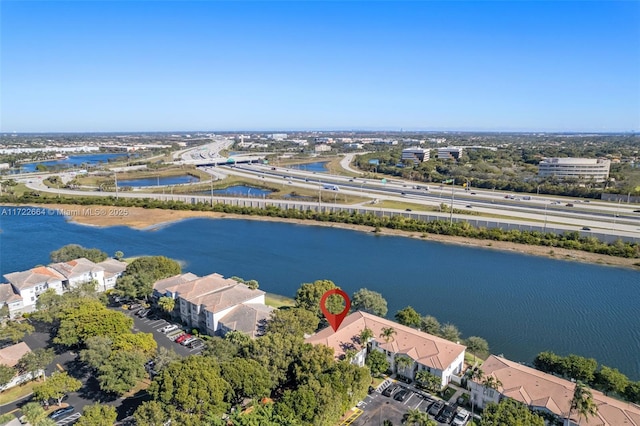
{"x":10,"y":355}
{"x":201,"y":286}
{"x":75,"y":268}
{"x":226,"y":297}
{"x":112,"y":267}
{"x":538,"y":389}
{"x":34,"y":276}
{"x":424,"y":348}
{"x":8,"y":295}
{"x":162,"y":285}
{"x":248,"y":318}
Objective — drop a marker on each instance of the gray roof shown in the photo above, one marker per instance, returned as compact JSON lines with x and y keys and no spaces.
{"x":112,"y":267}
{"x":162,"y":285}
{"x":7,"y":294}
{"x":247,"y":318}
{"x":76,"y":267}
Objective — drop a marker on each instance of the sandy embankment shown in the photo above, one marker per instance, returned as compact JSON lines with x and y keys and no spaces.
{"x":139,"y":218}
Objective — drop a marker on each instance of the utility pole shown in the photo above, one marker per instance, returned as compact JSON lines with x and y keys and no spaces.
{"x":453,"y":182}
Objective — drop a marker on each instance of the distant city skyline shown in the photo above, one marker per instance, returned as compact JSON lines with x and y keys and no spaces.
{"x":103,"y":66}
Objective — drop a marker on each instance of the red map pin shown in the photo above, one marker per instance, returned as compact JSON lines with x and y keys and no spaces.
{"x":335,"y":319}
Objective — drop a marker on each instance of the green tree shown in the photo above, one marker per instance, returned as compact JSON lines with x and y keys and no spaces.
{"x":121,"y":371}
{"x":34,"y":413}
{"x":549,"y":362}
{"x":580,"y":368}
{"x":477,"y":346}
{"x":611,"y":380}
{"x":57,"y":387}
{"x":252,"y":284}
{"x":509,"y":412}
{"x":150,"y":413}
{"x":75,"y":251}
{"x":582,"y":402}
{"x":47,"y":305}
{"x":450,"y":332}
{"x":36,"y":361}
{"x":491,"y":382}
{"x":409,"y":317}
{"x":430,"y":325}
{"x":419,"y":418}
{"x":143,"y":272}
{"x":98,"y":415}
{"x":15,"y":331}
{"x":247,"y":379}
{"x":192,"y":385}
{"x":402,"y":363}
{"x":143,"y":343}
{"x":632,"y":392}
{"x":429,"y":381}
{"x":118,"y":255}
{"x":377,"y":362}
{"x":369,"y":301}
{"x":164,"y":357}
{"x":388,"y":333}
{"x":167,"y":304}
{"x":6,"y":374}
{"x":4,"y":311}
{"x":97,"y":352}
{"x":89,"y":319}
{"x":309,"y":294}
{"x":296,"y":321}
{"x":365,"y":336}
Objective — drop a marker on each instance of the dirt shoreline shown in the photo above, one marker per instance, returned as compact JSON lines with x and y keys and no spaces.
{"x":140,"y":218}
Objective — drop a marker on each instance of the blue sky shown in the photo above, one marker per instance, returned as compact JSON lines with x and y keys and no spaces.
{"x":421,"y":65}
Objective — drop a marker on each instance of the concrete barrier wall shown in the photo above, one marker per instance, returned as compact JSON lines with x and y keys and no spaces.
{"x":427,"y":217}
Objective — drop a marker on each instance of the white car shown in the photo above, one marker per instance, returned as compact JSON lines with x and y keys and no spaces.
{"x":461,"y":418}
{"x":168,"y":328}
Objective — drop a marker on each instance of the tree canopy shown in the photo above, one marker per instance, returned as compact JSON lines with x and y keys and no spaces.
{"x":369,"y":301}
{"x":409,"y":317}
{"x":509,"y":413}
{"x":75,"y":251}
{"x":137,"y":280}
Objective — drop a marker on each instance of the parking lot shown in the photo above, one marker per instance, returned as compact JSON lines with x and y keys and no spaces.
{"x":151,"y":325}
{"x":376,"y":408}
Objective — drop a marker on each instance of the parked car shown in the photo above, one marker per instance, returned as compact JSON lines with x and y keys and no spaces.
{"x":142,"y":312}
{"x":390,"y":390}
{"x":446,"y":415}
{"x":461,"y":418}
{"x":182,"y":338}
{"x":402,"y":395}
{"x":61,"y":412}
{"x":188,"y":340}
{"x":173,"y":335}
{"x":168,"y":328}
{"x":371,"y":390}
{"x":196,"y":344}
{"x":134,"y":306}
{"x":434,"y":410}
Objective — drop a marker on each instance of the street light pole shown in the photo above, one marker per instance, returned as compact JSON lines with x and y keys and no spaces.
{"x":545,"y":219}
{"x":453,"y":182}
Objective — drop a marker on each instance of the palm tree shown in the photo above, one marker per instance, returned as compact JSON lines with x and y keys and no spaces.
{"x":491,"y":382}
{"x":387,"y":333}
{"x":167,"y":304}
{"x":402,"y":362}
{"x":419,"y":418}
{"x":365,"y":335}
{"x":583,"y":402}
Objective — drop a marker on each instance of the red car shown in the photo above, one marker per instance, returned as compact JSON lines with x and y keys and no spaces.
{"x":183,"y":338}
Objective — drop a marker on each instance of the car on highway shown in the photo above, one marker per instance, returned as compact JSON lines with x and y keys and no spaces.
{"x":390,"y":390}
{"x":446,"y":415}
{"x":461,"y":418}
{"x":61,"y":412}
{"x":168,"y":328}
{"x":586,"y":228}
{"x":434,"y":410}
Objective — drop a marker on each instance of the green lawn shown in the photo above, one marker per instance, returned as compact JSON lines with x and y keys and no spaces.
{"x":278,"y":301}
{"x":17,"y":392}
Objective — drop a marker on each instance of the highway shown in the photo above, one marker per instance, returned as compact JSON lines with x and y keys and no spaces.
{"x":545,"y":212}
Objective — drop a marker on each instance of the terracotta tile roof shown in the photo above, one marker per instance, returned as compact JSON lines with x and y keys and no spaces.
{"x":10,"y":355}
{"x":424,"y":348}
{"x":226,"y":297}
{"x":201,"y":286}
{"x":535,"y":388}
{"x":162,"y":285}
{"x":32,"y":277}
{"x":7,"y":294}
{"x":76,"y":267}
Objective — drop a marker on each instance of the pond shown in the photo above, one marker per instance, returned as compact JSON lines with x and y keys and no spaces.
{"x":238,"y":191}
{"x":158,"y":181}
{"x":72,"y":161}
{"x":318,"y":167}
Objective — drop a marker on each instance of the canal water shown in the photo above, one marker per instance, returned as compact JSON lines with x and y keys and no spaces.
{"x":521,"y":304}
{"x":158,"y":181}
{"x":72,"y":161}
